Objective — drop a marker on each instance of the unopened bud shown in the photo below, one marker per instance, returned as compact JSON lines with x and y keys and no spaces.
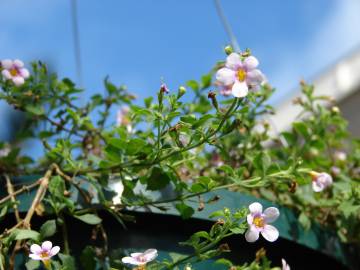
{"x":228,"y":49}
{"x":212,"y":96}
{"x":224,"y":248}
{"x":181,"y":91}
{"x":335,"y":110}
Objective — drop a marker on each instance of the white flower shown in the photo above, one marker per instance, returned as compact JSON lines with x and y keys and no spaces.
{"x":259,"y":223}
{"x":43,"y":253}
{"x":5,"y":151}
{"x":340,"y":155}
{"x":141,"y":258}
{"x":285,"y":266}
{"x":239,"y":75}
{"x":320,"y":181}
{"x":15,"y":71}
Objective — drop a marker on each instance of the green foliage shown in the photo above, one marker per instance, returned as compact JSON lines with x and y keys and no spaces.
{"x":173,"y":147}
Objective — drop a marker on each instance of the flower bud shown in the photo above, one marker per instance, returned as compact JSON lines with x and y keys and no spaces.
{"x":335,"y":110}
{"x":228,"y":49}
{"x":212,"y":96}
{"x":181,"y":91}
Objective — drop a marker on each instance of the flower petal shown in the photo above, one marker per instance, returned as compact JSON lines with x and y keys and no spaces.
{"x":251,"y":62}
{"x":252,"y":234}
{"x":24,"y":73}
{"x":285,"y":266}
{"x":6,"y":74}
{"x":270,"y":233}
{"x":250,"y":219}
{"x":18,"y":80}
{"x":233,"y":61}
{"x":7,"y":63}
{"x":150,"y":254}
{"x":18,"y":63}
{"x":135,"y":254}
{"x":131,"y":260}
{"x":240,"y":89}
{"x":255,"y":77}
{"x":36,"y":249}
{"x":255,"y":208}
{"x":317,"y":186}
{"x":35,"y":257}
{"x":55,"y":250}
{"x":271,"y":214}
{"x":46,"y":246}
{"x":225,"y":76}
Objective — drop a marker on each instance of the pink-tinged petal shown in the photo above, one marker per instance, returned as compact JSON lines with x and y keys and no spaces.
{"x":46,"y":246}
{"x":18,"y":63}
{"x":250,"y":219}
{"x":255,"y":77}
{"x":136,"y":254}
{"x":55,"y":250}
{"x":225,"y":76}
{"x":255,"y":208}
{"x":18,"y":81}
{"x":285,"y":266}
{"x":225,"y":91}
{"x":36,"y":249}
{"x":251,"y":63}
{"x":233,"y":61}
{"x":24,"y":73}
{"x":252,"y":234}
{"x":270,"y":233}
{"x":35,"y":257}
{"x":271,"y":214}
{"x":131,"y":260}
{"x":317,"y":187}
{"x":7,"y":63}
{"x":150,"y":254}
{"x":6,"y":74}
{"x":240,"y":89}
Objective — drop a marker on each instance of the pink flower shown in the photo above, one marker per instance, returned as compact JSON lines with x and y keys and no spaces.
{"x":141,"y":258}
{"x":258,"y":223}
{"x":285,"y":266}
{"x":43,"y":253}
{"x":320,"y":181}
{"x":239,"y":75}
{"x":15,"y":71}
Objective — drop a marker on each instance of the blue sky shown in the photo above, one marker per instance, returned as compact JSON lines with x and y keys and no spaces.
{"x":139,"y":42}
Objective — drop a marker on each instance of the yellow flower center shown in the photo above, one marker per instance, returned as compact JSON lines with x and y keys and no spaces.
{"x":259,"y":222}
{"x":44,"y":254}
{"x":241,"y":74}
{"x":13,"y":72}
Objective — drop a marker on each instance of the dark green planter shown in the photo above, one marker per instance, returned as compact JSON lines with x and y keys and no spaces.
{"x":301,"y":249}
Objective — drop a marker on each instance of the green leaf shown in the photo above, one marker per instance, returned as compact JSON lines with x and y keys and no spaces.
{"x":35,"y":109}
{"x":304,"y":221}
{"x":301,"y":128}
{"x":158,"y":179}
{"x":184,"y":210}
{"x":237,"y":230}
{"x":67,"y":261}
{"x":87,"y":258}
{"x":32,"y":265}
{"x":89,"y":219}
{"x":48,"y":229}
{"x":57,"y":187}
{"x":193,"y":85}
{"x":135,"y":146}
{"x":22,"y":234}
{"x":206,"y":81}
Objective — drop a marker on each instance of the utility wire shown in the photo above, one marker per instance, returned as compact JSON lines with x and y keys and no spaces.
{"x":227,"y":26}
{"x":77,"y":48}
